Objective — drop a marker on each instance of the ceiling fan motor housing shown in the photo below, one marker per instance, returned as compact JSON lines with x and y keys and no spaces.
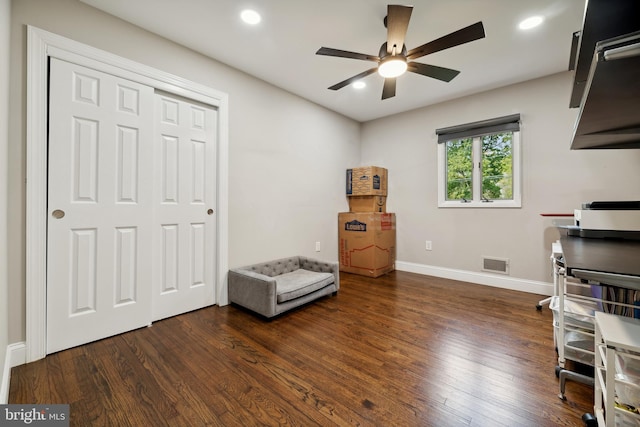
{"x":384,"y":53}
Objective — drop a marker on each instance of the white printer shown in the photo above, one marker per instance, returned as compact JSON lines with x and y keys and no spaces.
{"x":617,"y":219}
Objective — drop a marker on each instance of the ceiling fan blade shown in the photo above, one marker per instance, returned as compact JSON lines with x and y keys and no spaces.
{"x":397,"y":24}
{"x":389,"y":88}
{"x":440,"y":73}
{"x":346,"y":54}
{"x":462,"y":36}
{"x":353,"y":79}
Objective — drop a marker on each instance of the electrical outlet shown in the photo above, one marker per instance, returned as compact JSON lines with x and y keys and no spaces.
{"x":427,"y":245}
{"x":317,"y":246}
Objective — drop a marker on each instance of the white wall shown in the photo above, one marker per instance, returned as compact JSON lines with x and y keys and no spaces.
{"x":5,"y":13}
{"x":287,"y":156}
{"x":555,"y":179}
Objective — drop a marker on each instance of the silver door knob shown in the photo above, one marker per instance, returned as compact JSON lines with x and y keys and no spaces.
{"x":57,"y":214}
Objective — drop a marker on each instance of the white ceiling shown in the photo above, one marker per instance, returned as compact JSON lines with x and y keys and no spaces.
{"x":281,"y":49}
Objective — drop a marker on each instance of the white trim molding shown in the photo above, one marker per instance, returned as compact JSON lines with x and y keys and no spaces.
{"x":498,"y":281}
{"x":40,"y":46}
{"x":15,"y":356}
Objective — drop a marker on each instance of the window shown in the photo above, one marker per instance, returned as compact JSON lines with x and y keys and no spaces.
{"x":479,"y":164}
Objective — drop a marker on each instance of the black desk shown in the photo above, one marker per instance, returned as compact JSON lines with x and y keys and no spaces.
{"x":609,"y":261}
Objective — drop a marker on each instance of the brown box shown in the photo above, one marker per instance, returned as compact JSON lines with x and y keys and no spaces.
{"x":367,"y":242}
{"x":367,"y":181}
{"x":367,"y":204}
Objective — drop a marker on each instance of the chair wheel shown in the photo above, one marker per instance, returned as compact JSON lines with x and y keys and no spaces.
{"x":589,"y":420}
{"x":539,"y":307}
{"x":558,"y":370}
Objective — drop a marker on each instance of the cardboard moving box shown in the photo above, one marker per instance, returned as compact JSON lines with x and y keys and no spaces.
{"x":367,"y":204}
{"x":367,"y":181}
{"x":367,"y":242}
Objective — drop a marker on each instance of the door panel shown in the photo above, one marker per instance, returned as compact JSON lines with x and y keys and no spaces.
{"x":186,"y":191}
{"x":99,"y":204}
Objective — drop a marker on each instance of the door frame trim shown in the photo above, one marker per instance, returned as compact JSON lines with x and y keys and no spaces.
{"x":41,"y":45}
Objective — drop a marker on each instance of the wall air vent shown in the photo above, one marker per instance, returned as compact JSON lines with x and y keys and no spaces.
{"x":495,"y":265}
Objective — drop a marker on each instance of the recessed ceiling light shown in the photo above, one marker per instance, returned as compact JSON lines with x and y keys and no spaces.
{"x":531,"y":22}
{"x":250,"y":16}
{"x":359,"y":85}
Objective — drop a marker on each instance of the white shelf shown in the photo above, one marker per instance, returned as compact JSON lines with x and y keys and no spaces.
{"x":614,"y":334}
{"x":619,"y":332}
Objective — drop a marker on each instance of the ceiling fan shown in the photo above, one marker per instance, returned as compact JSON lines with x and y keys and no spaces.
{"x":394,"y":59}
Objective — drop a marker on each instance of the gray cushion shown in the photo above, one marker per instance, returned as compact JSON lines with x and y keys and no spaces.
{"x":300,"y":282}
{"x":277,"y":267}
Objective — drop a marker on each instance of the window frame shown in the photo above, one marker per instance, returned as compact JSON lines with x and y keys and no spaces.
{"x":476,"y":201}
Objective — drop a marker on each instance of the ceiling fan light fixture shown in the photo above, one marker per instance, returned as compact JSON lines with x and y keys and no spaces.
{"x":392,"y":66}
{"x":393,"y":58}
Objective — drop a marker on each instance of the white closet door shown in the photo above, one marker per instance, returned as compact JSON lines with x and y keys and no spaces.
{"x":185,"y":234}
{"x":99,"y":206}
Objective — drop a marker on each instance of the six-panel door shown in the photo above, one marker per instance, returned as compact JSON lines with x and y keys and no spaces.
{"x":131,"y":198}
{"x":184,"y":232}
{"x":99,"y":201}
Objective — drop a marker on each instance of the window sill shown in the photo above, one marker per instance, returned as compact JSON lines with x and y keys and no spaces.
{"x":484,"y":205}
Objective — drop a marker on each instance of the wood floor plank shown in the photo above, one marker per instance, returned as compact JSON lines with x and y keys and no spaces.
{"x":191,"y":399}
{"x":32,"y":384}
{"x":306,"y":334}
{"x":402,"y":349}
{"x":241,"y":357}
{"x":279,"y":375}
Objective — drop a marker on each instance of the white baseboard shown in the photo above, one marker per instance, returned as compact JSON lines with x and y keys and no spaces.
{"x":487,"y":279}
{"x":15,"y":355}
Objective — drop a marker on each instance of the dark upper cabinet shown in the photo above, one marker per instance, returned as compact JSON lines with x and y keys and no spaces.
{"x":610,"y":112}
{"x":607,"y":83}
{"x":603,"y":19}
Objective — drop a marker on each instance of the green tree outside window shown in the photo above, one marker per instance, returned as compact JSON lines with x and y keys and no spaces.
{"x":496,"y":174}
{"x":497,"y":166}
{"x":460,"y":169}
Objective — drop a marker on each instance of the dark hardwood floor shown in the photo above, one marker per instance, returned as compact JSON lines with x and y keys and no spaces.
{"x":400,"y":350}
